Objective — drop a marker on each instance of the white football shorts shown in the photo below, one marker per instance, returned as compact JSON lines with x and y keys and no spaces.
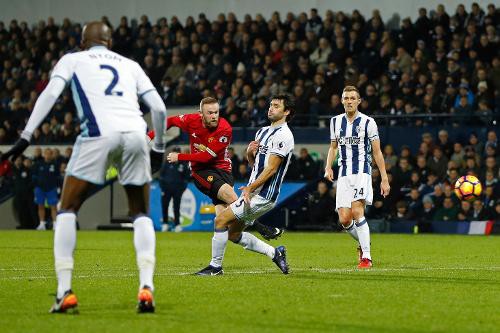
{"x":127,"y":151}
{"x":248,"y":213}
{"x":353,"y":188}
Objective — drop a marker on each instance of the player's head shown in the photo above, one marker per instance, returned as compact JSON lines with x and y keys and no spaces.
{"x":351,"y":99}
{"x":281,"y":106}
{"x":209,"y":110}
{"x":96,"y":33}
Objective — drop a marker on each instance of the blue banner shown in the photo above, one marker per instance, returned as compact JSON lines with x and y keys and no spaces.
{"x":197,"y":211}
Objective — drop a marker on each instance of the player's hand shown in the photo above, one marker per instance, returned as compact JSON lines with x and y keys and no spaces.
{"x":252,"y":147}
{"x":173,"y":157}
{"x":156,"y":158}
{"x":245,"y":193}
{"x":17,"y":149}
{"x":329,"y":174}
{"x":385,"y":188}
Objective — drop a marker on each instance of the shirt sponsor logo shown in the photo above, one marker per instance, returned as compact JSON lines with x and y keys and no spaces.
{"x":263,"y":149}
{"x":349,"y":140}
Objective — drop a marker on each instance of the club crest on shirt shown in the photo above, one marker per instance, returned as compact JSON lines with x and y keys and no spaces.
{"x":210,"y":139}
{"x":358,"y":129}
{"x":210,"y":179}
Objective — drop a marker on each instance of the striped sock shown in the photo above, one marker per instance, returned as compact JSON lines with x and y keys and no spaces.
{"x":351,"y":229}
{"x":363,"y":230}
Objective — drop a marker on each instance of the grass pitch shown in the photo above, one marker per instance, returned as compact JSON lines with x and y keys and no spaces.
{"x":418,"y":284}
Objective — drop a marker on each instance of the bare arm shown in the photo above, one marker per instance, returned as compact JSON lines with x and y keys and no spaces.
{"x":379,"y":160}
{"x":332,"y":153}
{"x":251,"y":152}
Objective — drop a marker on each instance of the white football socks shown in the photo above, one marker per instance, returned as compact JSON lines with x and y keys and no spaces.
{"x":363,"y":231}
{"x":145,"y":242}
{"x":351,"y":229}
{"x":64,"y":245}
{"x":219,"y":242}
{"x":252,"y":243}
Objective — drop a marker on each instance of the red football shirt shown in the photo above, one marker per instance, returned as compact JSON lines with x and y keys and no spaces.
{"x":208,"y":146}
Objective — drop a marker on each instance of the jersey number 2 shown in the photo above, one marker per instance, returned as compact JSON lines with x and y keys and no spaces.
{"x":109,"y":90}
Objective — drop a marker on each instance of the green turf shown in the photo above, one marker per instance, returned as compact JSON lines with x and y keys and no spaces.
{"x":419,"y":284}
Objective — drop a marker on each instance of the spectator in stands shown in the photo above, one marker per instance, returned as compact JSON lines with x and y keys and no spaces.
{"x":490,"y":199}
{"x":479,"y":212}
{"x":321,"y":206}
{"x":438,"y":163}
{"x":444,"y":143}
{"x":414,"y":203}
{"x":458,"y":155}
{"x":307,"y":167}
{"x":24,"y":208}
{"x":390,"y":158}
{"x":465,"y":212}
{"x":448,"y":212}
{"x":46,"y":177}
{"x":401,"y":213}
{"x":243,"y":172}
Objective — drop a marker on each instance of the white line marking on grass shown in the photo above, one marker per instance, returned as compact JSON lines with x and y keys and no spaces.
{"x":133,"y":273}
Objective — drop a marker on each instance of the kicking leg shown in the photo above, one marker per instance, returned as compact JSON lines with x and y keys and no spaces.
{"x":249,"y":241}
{"x":226,"y":194}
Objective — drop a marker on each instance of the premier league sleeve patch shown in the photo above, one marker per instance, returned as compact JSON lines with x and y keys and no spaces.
{"x":223,"y":139}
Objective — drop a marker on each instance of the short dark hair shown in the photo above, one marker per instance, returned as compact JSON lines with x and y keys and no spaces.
{"x":207,"y":100}
{"x":288,"y":103}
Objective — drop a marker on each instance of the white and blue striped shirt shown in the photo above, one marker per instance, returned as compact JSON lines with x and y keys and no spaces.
{"x":276,"y":140}
{"x":354,"y":142}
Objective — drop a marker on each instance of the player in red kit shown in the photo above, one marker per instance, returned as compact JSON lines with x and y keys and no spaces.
{"x":209,"y":137}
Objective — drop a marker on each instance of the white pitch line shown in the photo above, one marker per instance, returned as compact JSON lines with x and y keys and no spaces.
{"x":97,"y":274}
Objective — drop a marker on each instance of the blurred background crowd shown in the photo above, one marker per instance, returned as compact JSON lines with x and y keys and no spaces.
{"x":441,"y":69}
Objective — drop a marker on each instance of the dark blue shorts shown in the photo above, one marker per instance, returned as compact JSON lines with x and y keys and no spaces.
{"x":50,"y":196}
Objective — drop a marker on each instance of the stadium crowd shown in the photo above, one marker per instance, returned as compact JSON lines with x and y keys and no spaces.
{"x":422,"y":184}
{"x":440,"y":63}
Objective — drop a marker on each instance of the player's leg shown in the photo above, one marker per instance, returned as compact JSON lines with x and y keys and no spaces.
{"x":245,"y":214}
{"x":364,"y":196}
{"x":135,"y":175}
{"x":344,"y":200}
{"x":249,"y":241}
{"x":40,"y":201}
{"x":227,"y":194}
{"x":52,"y":200}
{"x":177,"y":196}
{"x":41,"y":217}
{"x":223,"y":217}
{"x":363,"y":231}
{"x":165,"y":201}
{"x":73,"y":194}
{"x":144,"y":235}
